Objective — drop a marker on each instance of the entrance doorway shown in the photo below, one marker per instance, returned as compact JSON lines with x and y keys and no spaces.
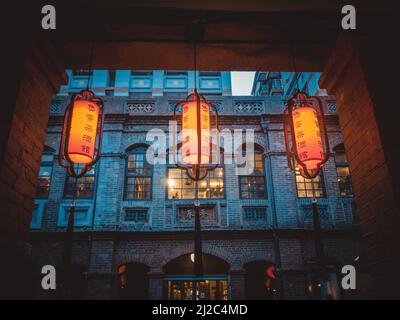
{"x":181,"y":284}
{"x":133,"y":281}
{"x":196,"y":289}
{"x":260,"y":280}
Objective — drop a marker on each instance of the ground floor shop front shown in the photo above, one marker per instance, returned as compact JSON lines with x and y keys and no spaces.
{"x":245,"y":265}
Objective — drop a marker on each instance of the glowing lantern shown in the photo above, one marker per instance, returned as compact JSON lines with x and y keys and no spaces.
{"x":196,"y":135}
{"x":307,"y":147}
{"x":195,"y":116}
{"x":81,"y":135}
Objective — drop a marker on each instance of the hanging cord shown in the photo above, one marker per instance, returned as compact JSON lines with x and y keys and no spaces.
{"x":295,"y":69}
{"x":90,"y":75}
{"x":74,"y":191}
{"x":195,"y":65}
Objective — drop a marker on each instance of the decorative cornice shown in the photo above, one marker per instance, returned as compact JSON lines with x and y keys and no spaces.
{"x":188,"y":235}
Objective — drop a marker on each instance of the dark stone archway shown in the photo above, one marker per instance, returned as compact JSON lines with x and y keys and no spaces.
{"x":362,"y":71}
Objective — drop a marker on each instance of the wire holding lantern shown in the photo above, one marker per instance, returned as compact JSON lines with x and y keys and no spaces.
{"x":80,"y":149}
{"x":307,"y":150}
{"x":196,"y":152}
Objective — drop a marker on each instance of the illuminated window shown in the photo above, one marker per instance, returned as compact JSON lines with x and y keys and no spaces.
{"x":44,"y":177}
{"x":83,"y":187}
{"x":343,"y":172}
{"x":253,"y":186}
{"x":305,"y":186}
{"x":180,"y":186}
{"x":138,"y":181}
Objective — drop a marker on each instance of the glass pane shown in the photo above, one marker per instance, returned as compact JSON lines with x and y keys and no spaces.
{"x":45,"y":171}
{"x":47,"y":158}
{"x":340,"y":157}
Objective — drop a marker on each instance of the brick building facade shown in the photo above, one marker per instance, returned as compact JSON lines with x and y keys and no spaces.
{"x":247,"y":222}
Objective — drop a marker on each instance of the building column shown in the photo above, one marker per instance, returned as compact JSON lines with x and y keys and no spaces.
{"x":237,"y":284}
{"x":191,"y":81}
{"x":226,"y":83}
{"x":33,"y":73}
{"x":122,"y":83}
{"x":363,"y":74}
{"x":101,"y":277}
{"x":156,"y":284}
{"x":99,"y":82}
{"x":158,"y":83}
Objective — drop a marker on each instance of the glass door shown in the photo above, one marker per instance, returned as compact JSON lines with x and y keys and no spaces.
{"x":197,"y":289}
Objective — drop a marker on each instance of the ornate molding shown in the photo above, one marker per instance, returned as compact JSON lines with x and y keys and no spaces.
{"x":135,"y":107}
{"x":243,"y":106}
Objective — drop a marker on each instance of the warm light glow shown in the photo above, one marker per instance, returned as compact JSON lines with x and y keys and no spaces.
{"x":192,"y":257}
{"x":171,"y":183}
{"x":122,"y":269}
{"x":307,"y":136}
{"x":190,"y":147}
{"x":83,"y":130}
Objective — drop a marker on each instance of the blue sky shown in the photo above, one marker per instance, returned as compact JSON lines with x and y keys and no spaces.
{"x":242,"y":82}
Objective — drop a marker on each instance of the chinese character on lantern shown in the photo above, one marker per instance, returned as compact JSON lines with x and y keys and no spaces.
{"x":307,"y":146}
{"x":196,"y":135}
{"x":82,"y":131}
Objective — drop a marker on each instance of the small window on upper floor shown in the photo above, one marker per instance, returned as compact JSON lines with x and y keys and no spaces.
{"x":176,"y":81}
{"x":254,"y":213}
{"x":343,"y":171}
{"x":45,"y":172}
{"x":141,"y":81}
{"x":136,"y":214}
{"x":79,"y":79}
{"x":209,"y":81}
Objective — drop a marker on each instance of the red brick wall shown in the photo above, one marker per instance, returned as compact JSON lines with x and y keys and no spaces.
{"x":37,"y":77}
{"x":366,"y":126}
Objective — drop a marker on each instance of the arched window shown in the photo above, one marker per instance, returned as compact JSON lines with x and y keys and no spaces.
{"x":138,"y":181}
{"x":253,"y":186}
{"x":45,"y":171}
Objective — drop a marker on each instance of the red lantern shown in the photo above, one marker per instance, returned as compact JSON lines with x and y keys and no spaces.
{"x":307,"y":146}
{"x":196,"y":135}
{"x":82,"y":131}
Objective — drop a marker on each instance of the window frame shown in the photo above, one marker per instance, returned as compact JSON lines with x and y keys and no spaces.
{"x":183,"y":199}
{"x":146,"y":209}
{"x":341,"y":164}
{"x":95,"y":177}
{"x":127,"y":176}
{"x":256,"y":220}
{"x":321,"y":174}
{"x":263,"y":175}
{"x":176,"y":75}
{"x":45,"y":164}
{"x":62,"y":219}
